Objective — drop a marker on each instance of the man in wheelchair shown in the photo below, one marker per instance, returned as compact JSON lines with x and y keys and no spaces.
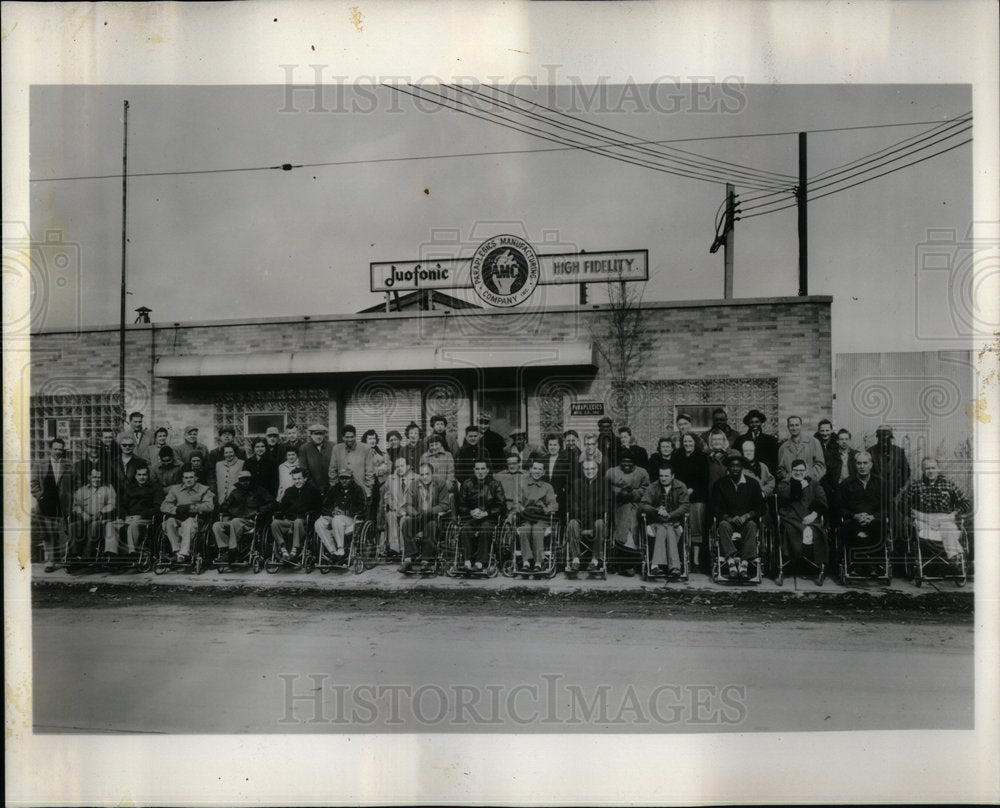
{"x":299,"y":500}
{"x":480,"y":502}
{"x":665,"y":504}
{"x":342,"y":504}
{"x":137,"y":506}
{"x":536,"y":505}
{"x":237,"y":513}
{"x":861,"y":512}
{"x":801,"y":505}
{"x":183,"y":505}
{"x":586,"y":506}
{"x":937,"y":509}
{"x":738,"y":506}
{"x":426,"y":501}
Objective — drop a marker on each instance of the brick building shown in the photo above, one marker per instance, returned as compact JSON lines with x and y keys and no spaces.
{"x":382,"y":370}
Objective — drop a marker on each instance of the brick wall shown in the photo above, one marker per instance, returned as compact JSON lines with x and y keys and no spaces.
{"x":785,"y":338}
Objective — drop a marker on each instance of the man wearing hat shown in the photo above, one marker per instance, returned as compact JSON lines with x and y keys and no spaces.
{"x":720,"y":421}
{"x":738,"y":506}
{"x":519,"y":443}
{"x":608,"y":442}
{"x":314,"y":457}
{"x":290,"y":440}
{"x":439,"y":427}
{"x":94,"y":459}
{"x":272,"y":440}
{"x":767,"y":445}
{"x":889,"y":464}
{"x":236,"y":515}
{"x":492,"y":442}
{"x":190,"y":446}
{"x":800,"y":447}
{"x":683,"y":425}
{"x":342,"y":504}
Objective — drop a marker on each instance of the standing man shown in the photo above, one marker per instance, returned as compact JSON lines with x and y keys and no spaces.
{"x":767,"y":445}
{"x":227,"y":437}
{"x":142,"y":437}
{"x":168,"y":472}
{"x":52,"y":489}
{"x":125,"y":466}
{"x":290,"y":440}
{"x":720,"y":421}
{"x":683,"y":424}
{"x":109,"y":449}
{"x":519,"y":443}
{"x":357,"y":457}
{"x":272,"y":438}
{"x":397,"y":494}
{"x":626,"y":440}
{"x":315,"y":455}
{"x":824,"y":434}
{"x":190,"y":446}
{"x":800,"y":447}
{"x":160,"y":439}
{"x":94,"y":460}
{"x":492,"y":442}
{"x":889,"y":464}
{"x":607,"y":442}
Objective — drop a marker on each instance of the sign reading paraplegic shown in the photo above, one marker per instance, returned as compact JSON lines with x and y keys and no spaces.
{"x":504,"y":270}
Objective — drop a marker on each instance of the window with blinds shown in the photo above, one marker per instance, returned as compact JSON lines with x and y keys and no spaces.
{"x":383,"y":406}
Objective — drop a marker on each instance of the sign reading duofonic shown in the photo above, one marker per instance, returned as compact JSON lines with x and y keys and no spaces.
{"x":504,"y":271}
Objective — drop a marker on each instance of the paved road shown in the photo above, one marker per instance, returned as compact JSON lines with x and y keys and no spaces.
{"x":247,"y":665}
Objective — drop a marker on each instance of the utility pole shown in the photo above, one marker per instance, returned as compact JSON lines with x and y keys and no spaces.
{"x":121,"y":332}
{"x":801,"y":194}
{"x":727,"y":240}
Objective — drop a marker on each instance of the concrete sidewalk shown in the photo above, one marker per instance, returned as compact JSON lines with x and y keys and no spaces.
{"x":385,"y":578}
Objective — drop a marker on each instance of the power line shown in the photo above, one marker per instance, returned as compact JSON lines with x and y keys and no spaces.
{"x":759,"y":173}
{"x":862,"y":182}
{"x":552,"y":137}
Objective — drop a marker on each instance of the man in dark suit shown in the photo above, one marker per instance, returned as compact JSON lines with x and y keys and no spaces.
{"x":558,"y":467}
{"x":767,"y":445}
{"x":314,"y":457}
{"x":123,"y":469}
{"x":52,"y":488}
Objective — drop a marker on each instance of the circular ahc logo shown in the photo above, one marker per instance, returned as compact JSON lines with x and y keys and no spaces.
{"x":504,"y":270}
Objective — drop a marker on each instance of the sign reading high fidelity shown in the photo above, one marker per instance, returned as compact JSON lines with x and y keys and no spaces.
{"x":505,"y":270}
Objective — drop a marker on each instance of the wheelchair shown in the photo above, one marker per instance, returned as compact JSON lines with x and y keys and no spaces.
{"x":553,"y":548}
{"x":249,"y":553}
{"x":878,"y":563}
{"x":755,"y":566}
{"x":781,"y":565}
{"x":587,"y":553}
{"x":454,"y":554}
{"x":647,"y":536}
{"x":142,"y":559}
{"x":306,"y":559}
{"x":360,"y":551}
{"x":448,"y":550}
{"x":164,"y":560}
{"x":929,"y":562}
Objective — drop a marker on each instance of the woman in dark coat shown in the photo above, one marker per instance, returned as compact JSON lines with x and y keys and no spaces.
{"x":691,"y":468}
{"x":663,"y":453}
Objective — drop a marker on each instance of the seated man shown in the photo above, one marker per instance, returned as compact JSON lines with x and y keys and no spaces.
{"x":297,"y":501}
{"x":480,"y":502}
{"x":183,"y":505}
{"x":861,"y":510}
{"x":394,"y":499}
{"x":343,"y":503}
{"x":139,"y":502}
{"x":93,"y":506}
{"x":737,"y":505}
{"x":801,"y":503}
{"x":628,"y":484}
{"x":665,"y":504}
{"x":236,"y":514}
{"x":937,"y":507}
{"x":587,"y":508}
{"x":536,"y":505}
{"x":428,"y":498}
{"x":510,"y":481}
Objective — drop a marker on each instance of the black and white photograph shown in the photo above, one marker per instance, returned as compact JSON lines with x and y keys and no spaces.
{"x":584,"y":402}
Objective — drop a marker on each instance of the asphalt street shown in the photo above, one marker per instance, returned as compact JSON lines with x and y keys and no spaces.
{"x":286,"y":664}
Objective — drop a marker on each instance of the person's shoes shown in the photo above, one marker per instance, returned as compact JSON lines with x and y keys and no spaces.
{"x":673,"y":573}
{"x":285,"y":555}
{"x":182,"y":559}
{"x":406,"y":565}
{"x":479,"y":566}
{"x":956,"y":562}
{"x":593,"y":565}
{"x":467,"y":565}
{"x":426,"y":566}
{"x":50,"y":567}
{"x":744,"y":569}
{"x":575,"y":565}
{"x":628,"y":572}
{"x":536,"y":566}
{"x":225,"y":556}
{"x":733,"y":567}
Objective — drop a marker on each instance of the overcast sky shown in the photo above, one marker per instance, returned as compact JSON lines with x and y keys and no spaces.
{"x":248,"y":244}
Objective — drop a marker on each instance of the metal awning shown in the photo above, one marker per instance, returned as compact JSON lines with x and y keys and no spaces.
{"x":546,"y":354}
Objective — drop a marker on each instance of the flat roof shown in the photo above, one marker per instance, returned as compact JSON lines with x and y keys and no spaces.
{"x":405,"y":315}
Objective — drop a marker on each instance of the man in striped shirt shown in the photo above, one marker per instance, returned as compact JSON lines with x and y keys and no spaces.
{"x":938,"y":507}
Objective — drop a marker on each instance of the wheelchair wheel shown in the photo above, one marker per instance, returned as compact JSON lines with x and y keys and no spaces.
{"x":962,"y":576}
{"x":258,"y":564}
{"x":144,"y":563}
{"x":308,"y":563}
{"x":199,"y":565}
{"x":272,"y":566}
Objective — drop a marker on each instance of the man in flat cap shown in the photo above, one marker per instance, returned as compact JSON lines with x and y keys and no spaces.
{"x":767,"y":445}
{"x":236,"y":514}
{"x":315,"y":455}
{"x":190,"y":446}
{"x":492,"y":442}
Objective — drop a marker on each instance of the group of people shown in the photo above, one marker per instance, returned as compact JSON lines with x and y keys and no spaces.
{"x":596,"y":488}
